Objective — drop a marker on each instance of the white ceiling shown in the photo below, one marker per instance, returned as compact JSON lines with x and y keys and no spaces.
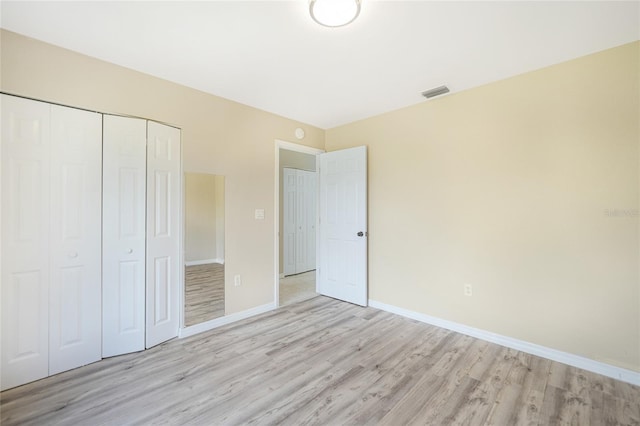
{"x":271,"y":55}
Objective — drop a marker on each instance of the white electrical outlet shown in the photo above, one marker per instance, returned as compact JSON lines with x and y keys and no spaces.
{"x":468,"y":291}
{"x":237,"y":280}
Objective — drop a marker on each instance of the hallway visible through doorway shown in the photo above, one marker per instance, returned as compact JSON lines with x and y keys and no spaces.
{"x":296,"y":288}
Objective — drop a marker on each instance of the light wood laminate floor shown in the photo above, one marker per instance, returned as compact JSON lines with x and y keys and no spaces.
{"x":204,"y":293}
{"x":296,"y":288}
{"x":327,"y":362}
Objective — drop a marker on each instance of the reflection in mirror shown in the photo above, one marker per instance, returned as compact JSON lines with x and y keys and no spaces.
{"x":203,"y":247}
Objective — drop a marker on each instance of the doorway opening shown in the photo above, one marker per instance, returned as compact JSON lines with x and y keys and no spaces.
{"x":296,"y":223}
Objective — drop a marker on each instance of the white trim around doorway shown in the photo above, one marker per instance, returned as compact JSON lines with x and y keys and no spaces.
{"x":289,"y":146}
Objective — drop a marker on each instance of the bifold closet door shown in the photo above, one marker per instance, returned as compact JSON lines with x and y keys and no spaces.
{"x":141,"y":227}
{"x":75,"y":295}
{"x":26,"y":147}
{"x":50,"y":291}
{"x":289,"y":223}
{"x":306,"y":221}
{"x":302,"y":234}
{"x":124,"y":235}
{"x":163,"y":233}
{"x":311,"y":193}
{"x":299,"y":220}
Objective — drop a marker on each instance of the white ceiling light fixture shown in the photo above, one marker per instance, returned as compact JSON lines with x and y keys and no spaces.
{"x":334,"y":13}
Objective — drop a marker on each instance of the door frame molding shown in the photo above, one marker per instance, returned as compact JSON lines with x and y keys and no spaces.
{"x":288,"y":146}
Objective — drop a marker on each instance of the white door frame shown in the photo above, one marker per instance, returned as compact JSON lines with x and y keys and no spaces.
{"x":289,"y":146}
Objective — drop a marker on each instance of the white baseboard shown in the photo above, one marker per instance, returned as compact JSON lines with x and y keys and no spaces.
{"x":203,"y":262}
{"x":608,"y":370}
{"x":227,"y":319}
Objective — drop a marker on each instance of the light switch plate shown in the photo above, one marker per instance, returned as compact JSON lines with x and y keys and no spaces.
{"x":259,"y":214}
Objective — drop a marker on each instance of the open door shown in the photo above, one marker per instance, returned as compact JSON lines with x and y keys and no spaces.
{"x":343,"y":225}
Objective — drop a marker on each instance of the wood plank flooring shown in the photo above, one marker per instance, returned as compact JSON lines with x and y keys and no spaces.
{"x":296,"y":288}
{"x":324,"y":362}
{"x":204,"y":293}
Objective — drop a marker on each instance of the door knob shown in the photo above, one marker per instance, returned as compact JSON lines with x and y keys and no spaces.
{"x":360,"y":234}
{"x":129,"y":251}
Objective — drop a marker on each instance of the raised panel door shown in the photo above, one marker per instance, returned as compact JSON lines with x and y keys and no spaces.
{"x":301,"y":221}
{"x":124,"y":235}
{"x":289,"y":187}
{"x":24,"y":250}
{"x":75,"y":298}
{"x":163,"y":233}
{"x":312,"y":217}
{"x":343,"y":225}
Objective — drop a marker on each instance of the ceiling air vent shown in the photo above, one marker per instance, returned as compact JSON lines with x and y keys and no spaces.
{"x":435,"y":92}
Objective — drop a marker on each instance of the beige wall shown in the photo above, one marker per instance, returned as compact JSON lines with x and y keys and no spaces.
{"x":512,"y":187}
{"x":200,"y":217}
{"x":219,"y":137}
{"x":293,"y":160}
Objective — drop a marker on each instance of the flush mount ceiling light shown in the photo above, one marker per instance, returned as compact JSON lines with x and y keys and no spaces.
{"x":334,"y":13}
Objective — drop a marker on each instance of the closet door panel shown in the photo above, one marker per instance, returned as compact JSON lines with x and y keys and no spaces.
{"x":75,"y":299}
{"x":124,"y":235}
{"x":312,"y":215}
{"x":24,"y":230}
{"x":301,"y":221}
{"x":289,"y":186}
{"x":163,"y":233}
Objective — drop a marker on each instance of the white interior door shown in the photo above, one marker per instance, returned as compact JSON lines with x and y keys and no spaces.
{"x":75,"y":294}
{"x":289,"y":187}
{"x":311,"y":194}
{"x":24,"y":289}
{"x":124,"y":235}
{"x":163,"y":233}
{"x":343,"y":225}
{"x":51,"y":239}
{"x":301,"y":221}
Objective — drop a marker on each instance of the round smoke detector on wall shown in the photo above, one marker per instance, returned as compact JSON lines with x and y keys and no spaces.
{"x":299,"y":133}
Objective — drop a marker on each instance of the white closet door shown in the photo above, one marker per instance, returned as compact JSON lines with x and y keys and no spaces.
{"x":75,"y":297}
{"x":301,"y":221}
{"x":163,"y":233}
{"x":312,"y":214}
{"x":25,"y":151}
{"x":289,"y":187}
{"x":124,"y":235}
